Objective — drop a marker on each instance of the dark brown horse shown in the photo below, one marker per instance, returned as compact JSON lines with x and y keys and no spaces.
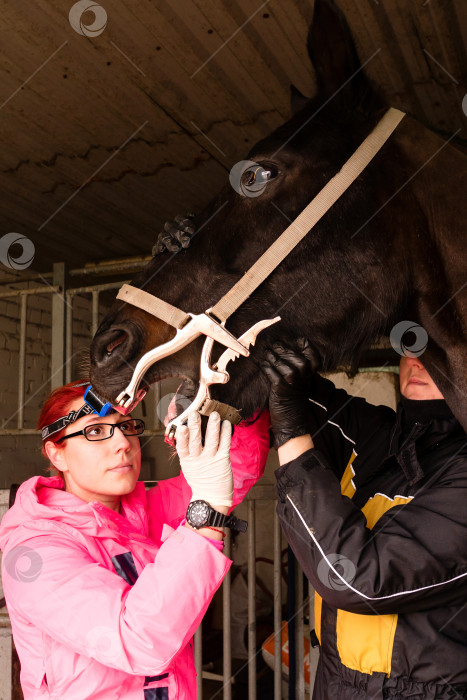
{"x":391,"y":249}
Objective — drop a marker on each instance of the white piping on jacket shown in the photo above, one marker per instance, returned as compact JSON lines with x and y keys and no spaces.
{"x":331,"y":422}
{"x":408,"y":498}
{"x":362,"y":595}
{"x":318,"y":404}
{"x":353,"y":472}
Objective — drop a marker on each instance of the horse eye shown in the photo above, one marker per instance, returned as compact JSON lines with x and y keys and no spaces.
{"x":255,"y":179}
{"x":249,"y":177}
{"x":269,"y":173}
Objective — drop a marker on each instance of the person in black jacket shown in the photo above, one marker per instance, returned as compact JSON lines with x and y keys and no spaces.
{"x":374,"y":506}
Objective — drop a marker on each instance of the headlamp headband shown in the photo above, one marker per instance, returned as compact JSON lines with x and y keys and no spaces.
{"x":62,"y":422}
{"x":93,"y":404}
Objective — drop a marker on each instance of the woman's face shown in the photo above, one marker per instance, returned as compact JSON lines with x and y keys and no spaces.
{"x":100,"y":470}
{"x":415,"y":382}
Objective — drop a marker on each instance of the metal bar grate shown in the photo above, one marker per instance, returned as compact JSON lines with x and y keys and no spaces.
{"x":277,"y":609}
{"x":22,"y":361}
{"x":251,"y":601}
{"x":226,"y":622}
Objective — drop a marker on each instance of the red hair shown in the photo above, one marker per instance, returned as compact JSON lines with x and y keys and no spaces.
{"x":58,"y":404}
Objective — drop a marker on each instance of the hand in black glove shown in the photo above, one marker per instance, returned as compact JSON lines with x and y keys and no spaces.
{"x":176,"y":235}
{"x":290,"y":374}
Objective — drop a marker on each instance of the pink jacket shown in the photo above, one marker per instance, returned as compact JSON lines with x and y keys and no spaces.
{"x":104,"y":606}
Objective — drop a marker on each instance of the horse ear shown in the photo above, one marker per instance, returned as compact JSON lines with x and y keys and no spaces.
{"x":297,"y":99}
{"x":332,"y":51}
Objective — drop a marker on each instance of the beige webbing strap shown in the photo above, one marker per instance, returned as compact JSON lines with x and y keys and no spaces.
{"x":153,"y":305}
{"x":225,"y":411}
{"x":316,"y":209}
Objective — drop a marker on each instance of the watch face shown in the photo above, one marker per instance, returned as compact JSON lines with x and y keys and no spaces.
{"x":198,"y":513}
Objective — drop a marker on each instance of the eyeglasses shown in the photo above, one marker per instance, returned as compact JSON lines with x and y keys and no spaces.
{"x":104,"y":431}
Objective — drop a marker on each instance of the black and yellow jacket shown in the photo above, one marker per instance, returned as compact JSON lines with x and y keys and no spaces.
{"x":377,"y":516}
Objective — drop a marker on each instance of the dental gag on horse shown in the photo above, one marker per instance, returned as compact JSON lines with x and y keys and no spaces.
{"x":388,"y":248}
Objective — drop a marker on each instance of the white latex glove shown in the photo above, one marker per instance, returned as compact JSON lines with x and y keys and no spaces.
{"x":207,"y":469}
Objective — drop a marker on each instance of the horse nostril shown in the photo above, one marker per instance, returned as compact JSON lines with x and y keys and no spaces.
{"x":116,"y":342}
{"x":109,"y":345}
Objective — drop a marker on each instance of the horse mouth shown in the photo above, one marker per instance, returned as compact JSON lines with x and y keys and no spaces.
{"x":180,"y":401}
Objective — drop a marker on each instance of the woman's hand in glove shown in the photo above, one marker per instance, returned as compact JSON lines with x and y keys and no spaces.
{"x":176,"y":235}
{"x":290,"y":374}
{"x":207,"y":469}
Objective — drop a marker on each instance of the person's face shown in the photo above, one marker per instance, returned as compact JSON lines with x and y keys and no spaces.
{"x":415,"y":382}
{"x":100,"y":470}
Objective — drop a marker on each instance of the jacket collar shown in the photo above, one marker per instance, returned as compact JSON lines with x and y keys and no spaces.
{"x":419,"y":427}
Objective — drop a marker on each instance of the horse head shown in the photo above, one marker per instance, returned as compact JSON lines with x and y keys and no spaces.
{"x":357,"y":273}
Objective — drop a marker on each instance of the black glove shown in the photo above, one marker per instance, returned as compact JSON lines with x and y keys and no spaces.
{"x":176,"y":235}
{"x":290,"y":374}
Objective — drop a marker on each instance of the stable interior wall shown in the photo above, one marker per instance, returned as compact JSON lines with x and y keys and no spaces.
{"x":20,"y":456}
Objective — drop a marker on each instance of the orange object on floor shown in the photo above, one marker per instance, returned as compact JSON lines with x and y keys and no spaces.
{"x":267,"y":649}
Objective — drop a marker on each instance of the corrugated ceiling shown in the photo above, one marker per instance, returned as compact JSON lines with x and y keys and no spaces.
{"x":105,"y":137}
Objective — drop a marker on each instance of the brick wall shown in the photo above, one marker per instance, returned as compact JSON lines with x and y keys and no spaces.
{"x":20,"y":456}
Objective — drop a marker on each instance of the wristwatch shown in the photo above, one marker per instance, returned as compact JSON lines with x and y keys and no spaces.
{"x":200,"y":514}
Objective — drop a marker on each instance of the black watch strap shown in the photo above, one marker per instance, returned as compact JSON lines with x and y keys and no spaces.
{"x":237,"y":524}
{"x":217,"y":519}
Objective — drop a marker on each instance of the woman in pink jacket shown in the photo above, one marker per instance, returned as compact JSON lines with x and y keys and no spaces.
{"x":105,"y":582}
